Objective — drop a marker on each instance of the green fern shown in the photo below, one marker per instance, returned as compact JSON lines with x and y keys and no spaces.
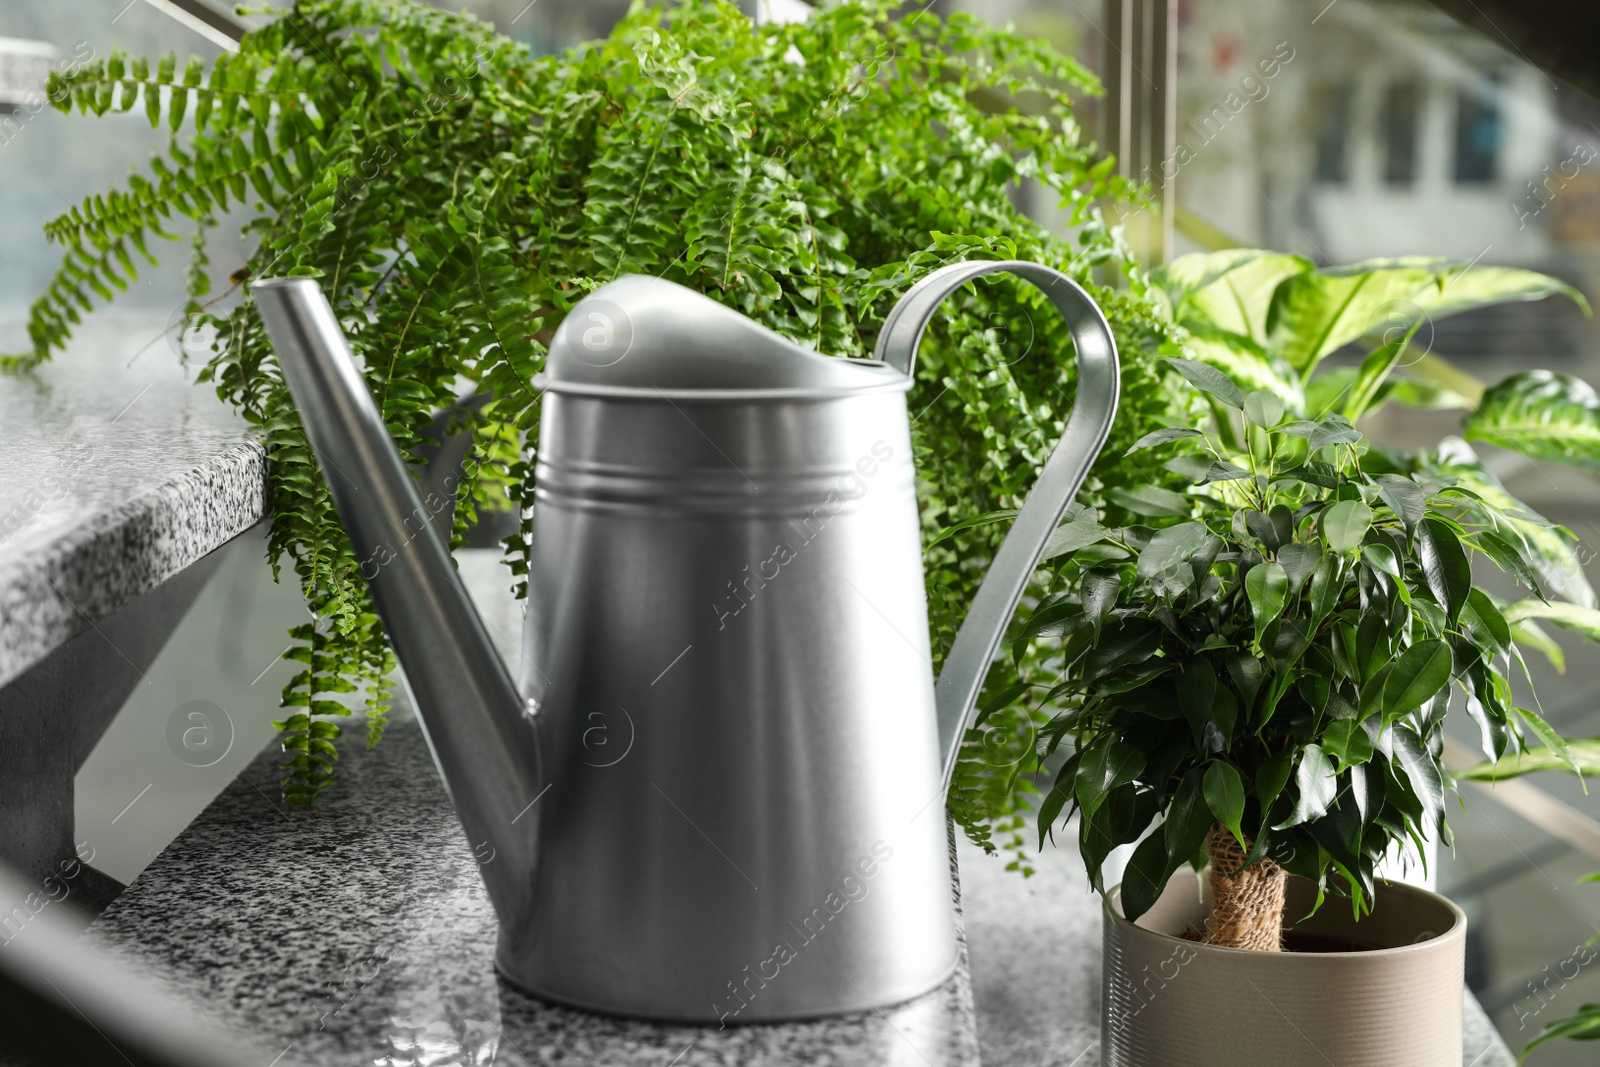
{"x":457,"y":196}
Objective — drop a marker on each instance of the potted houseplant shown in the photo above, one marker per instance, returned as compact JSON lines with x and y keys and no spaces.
{"x":1270,"y":677}
{"x":1256,"y":675}
{"x":456,"y":196}
{"x":1270,"y":320}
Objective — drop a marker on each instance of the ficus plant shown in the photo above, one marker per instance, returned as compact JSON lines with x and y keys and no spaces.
{"x":1269,"y":321}
{"x":1264,"y":676}
{"x":455,"y":196}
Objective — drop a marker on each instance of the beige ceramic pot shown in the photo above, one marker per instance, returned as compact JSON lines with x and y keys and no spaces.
{"x":1169,"y":1001}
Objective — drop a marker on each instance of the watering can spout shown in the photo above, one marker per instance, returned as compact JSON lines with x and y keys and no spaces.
{"x":475,"y":720}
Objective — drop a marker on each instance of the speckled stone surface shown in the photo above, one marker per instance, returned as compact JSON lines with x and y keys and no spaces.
{"x":363,"y":936}
{"x":113,"y":478}
{"x":1034,"y":949}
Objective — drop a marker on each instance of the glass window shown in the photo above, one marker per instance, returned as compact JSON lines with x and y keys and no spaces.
{"x":1478,"y":134}
{"x":1398,"y":123}
{"x":1331,"y":103}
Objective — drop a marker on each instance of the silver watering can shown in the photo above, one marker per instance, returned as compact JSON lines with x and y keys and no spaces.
{"x":714,"y":794}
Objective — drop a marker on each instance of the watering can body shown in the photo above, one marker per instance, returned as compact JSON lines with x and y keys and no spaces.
{"x":714,"y":791}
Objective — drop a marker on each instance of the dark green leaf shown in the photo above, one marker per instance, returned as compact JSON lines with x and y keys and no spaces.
{"x":1197,"y":693}
{"x":1509,"y":559}
{"x":1263,"y":528}
{"x":1346,"y":741}
{"x":1053,"y":619}
{"x":1098,"y":592}
{"x":1334,"y":430}
{"x":1314,"y":787}
{"x":1404,"y":497}
{"x":1484,"y":622}
{"x":1245,"y":670}
{"x":999,"y":701}
{"x":1145,"y":877}
{"x":1225,"y":797}
{"x":1151,"y":500}
{"x":968,"y":524}
{"x":1312,"y":473}
{"x":1124,"y":816}
{"x":1267,"y":587}
{"x":1340,"y":833}
{"x":1373,"y":646}
{"x":1299,"y":561}
{"x":1188,"y":820}
{"x":1223,"y":471}
{"x":1072,"y":536}
{"x":1059,"y":797}
{"x":1102,"y":768}
{"x":1282,"y":522}
{"x":1209,"y":380}
{"x":1552,"y":550}
{"x":1272,"y":776}
{"x":1419,"y":672}
{"x":1421,"y":770}
{"x":1225,"y":714}
{"x":1164,"y":563}
{"x":1490,"y":718}
{"x":1552,"y":740}
{"x":1325,"y":587}
{"x":1124,"y":642}
{"x":1135,"y":676}
{"x":1445,"y":566}
{"x":1367,"y":791}
{"x":1382,"y":558}
{"x":1345,"y":524}
{"x":1161,"y":437}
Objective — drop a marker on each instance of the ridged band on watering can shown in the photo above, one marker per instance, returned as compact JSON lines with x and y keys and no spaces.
{"x":1166,"y":1000}
{"x":724,"y":745}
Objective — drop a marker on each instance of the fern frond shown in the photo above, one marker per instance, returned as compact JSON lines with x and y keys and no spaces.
{"x":456,"y":197}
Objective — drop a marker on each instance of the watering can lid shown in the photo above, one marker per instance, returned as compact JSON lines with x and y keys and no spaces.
{"x":646,"y":336}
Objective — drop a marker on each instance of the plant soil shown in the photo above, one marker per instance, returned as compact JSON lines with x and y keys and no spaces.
{"x":1294,"y":941}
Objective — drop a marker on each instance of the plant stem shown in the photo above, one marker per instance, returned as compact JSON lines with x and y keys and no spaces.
{"x":1246,"y":905}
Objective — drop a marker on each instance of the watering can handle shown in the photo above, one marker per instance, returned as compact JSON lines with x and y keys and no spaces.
{"x":956,"y":692}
